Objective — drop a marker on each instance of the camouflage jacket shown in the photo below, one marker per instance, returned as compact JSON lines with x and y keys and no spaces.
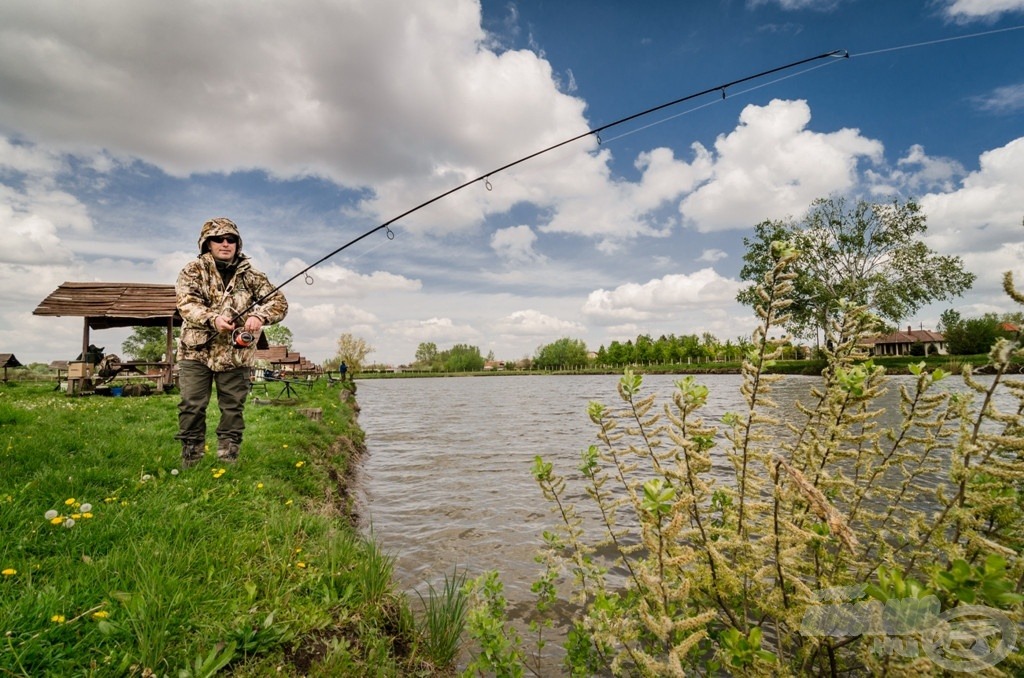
{"x":202,"y":296}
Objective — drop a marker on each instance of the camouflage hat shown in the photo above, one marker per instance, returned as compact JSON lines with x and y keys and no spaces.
{"x":218,"y":226}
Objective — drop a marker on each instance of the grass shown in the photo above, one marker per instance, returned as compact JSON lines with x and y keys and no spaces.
{"x":893,"y":365}
{"x":116,"y":563}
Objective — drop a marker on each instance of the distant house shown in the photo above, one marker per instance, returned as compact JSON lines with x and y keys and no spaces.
{"x":899,"y":343}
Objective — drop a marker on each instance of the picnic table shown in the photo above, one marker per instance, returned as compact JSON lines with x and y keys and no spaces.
{"x":82,"y":376}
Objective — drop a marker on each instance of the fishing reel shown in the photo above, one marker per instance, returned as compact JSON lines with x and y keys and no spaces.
{"x":242,"y":338}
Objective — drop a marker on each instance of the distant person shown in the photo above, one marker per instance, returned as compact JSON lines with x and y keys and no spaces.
{"x":343,"y":370}
{"x":216,"y":346}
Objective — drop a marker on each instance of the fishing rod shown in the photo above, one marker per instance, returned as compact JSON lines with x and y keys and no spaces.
{"x":596,"y":131}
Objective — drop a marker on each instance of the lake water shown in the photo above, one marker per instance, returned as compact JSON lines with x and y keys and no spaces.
{"x":446,"y":480}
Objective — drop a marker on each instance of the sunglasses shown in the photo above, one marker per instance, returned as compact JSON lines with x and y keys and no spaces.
{"x":223,"y":238}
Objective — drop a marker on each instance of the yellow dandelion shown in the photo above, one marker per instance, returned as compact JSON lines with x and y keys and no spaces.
{"x":102,"y":614}
{"x":300,"y":464}
{"x":110,"y":500}
{"x":9,"y":572}
{"x":57,"y":520}
{"x":285,"y":446}
{"x":300,"y":565}
{"x":87,"y":515}
{"x":76,"y":516}
{"x":58,"y":619}
{"x":259,"y":486}
{"x":69,"y":502}
{"x":288,"y":503}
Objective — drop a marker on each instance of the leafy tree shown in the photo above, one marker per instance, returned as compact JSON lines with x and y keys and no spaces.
{"x":278,"y":335}
{"x":147,"y":343}
{"x":463,"y":358}
{"x":868,"y":254}
{"x":426,"y":354}
{"x":949,"y":319}
{"x":971,"y":336}
{"x":563,"y":353}
{"x":353,"y":351}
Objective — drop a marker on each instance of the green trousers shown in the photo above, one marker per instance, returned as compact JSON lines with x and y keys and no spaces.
{"x":196,"y":380}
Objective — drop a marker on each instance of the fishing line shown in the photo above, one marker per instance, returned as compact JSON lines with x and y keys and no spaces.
{"x":808,"y":70}
{"x":486,"y":177}
{"x":718,"y":101}
{"x":938,"y":41}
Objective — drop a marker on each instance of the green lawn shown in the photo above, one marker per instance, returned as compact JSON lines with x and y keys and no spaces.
{"x":116,"y":563}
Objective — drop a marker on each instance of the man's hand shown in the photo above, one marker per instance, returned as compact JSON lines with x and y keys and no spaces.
{"x":253,"y":324}
{"x":224,"y":323}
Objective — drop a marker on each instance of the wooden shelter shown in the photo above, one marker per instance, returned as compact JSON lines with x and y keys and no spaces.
{"x":106,"y":305}
{"x":8,"y":360}
{"x":282,"y":358}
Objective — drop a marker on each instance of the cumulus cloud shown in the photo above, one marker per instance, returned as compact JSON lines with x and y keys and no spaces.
{"x":442,"y":331}
{"x":35,"y":213}
{"x":984,"y":213}
{"x":515,"y":244}
{"x":531,"y":323}
{"x":916,"y":173}
{"x":334,"y":280}
{"x":772,"y":167}
{"x":616,"y":211}
{"x":660,"y":298}
{"x":238,"y":86}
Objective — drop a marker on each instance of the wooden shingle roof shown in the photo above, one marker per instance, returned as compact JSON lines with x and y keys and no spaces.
{"x":8,"y":360}
{"x":108,"y":305}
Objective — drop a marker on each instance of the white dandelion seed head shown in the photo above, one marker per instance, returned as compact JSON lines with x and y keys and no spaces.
{"x":51,"y":514}
{"x":85,"y":508}
{"x":174,"y":471}
{"x":69,"y":523}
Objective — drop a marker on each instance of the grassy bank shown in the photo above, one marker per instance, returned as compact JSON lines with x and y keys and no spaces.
{"x":893,"y":365}
{"x":116,"y":563}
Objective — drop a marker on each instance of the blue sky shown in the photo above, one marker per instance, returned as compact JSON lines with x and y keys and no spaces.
{"x":125,"y":124}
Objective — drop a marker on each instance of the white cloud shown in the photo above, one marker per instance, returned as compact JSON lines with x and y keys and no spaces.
{"x":237,"y":85}
{"x":531,"y":323}
{"x":515,"y":244}
{"x":337,"y":281}
{"x":1002,"y":100}
{"x":966,"y":10}
{"x":985,"y":212}
{"x":712,"y":255}
{"x":915,"y":174}
{"x":660,"y":298}
{"x":616,"y":211}
{"x":792,"y":5}
{"x":772,"y":167}
{"x":442,"y":331}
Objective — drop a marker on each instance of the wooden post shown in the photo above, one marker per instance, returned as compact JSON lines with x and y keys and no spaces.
{"x":170,"y":351}
{"x":85,"y":338}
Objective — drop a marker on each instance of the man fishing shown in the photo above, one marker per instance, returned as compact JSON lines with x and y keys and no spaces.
{"x":224,"y":303}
